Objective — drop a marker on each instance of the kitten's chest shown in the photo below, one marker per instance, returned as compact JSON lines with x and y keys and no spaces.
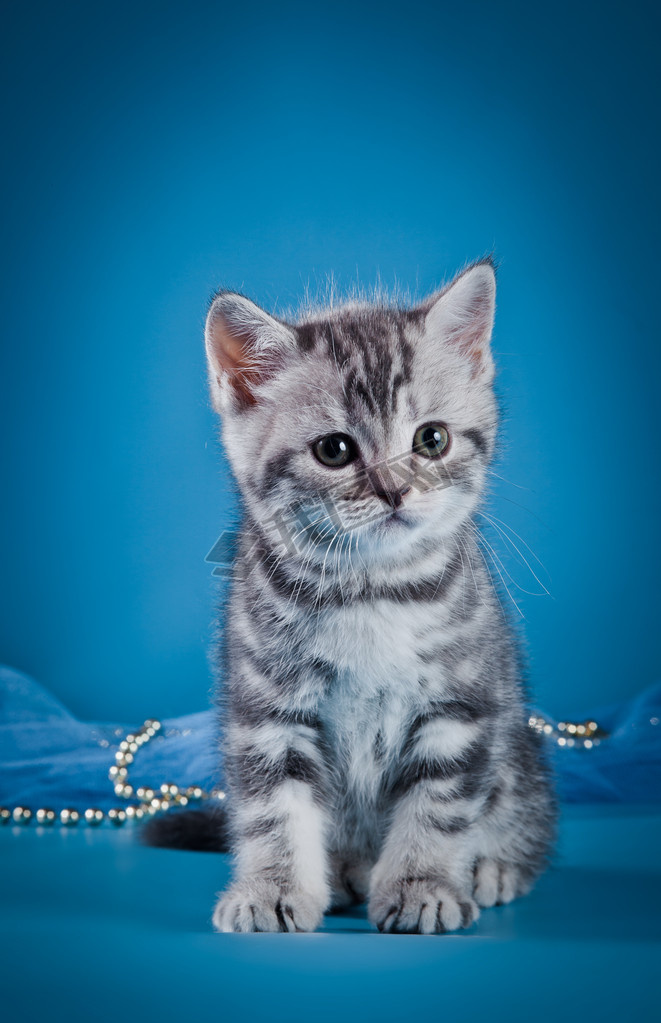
{"x":376,"y":642}
{"x":376,"y":685}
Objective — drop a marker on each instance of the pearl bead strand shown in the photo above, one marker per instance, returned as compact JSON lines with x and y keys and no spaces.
{"x":146,"y":801}
{"x":586,"y":734}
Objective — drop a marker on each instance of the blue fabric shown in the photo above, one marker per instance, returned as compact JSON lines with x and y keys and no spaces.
{"x":49,"y":758}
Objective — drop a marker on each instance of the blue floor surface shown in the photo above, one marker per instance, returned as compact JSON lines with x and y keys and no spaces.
{"x":96,"y":927}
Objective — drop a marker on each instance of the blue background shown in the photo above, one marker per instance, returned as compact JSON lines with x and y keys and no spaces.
{"x":156,"y":150}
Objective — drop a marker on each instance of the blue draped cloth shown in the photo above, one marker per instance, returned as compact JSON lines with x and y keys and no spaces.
{"x":49,"y":758}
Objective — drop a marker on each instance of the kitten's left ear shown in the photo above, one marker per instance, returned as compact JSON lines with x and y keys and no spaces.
{"x":462,"y":316}
{"x":245,"y":347}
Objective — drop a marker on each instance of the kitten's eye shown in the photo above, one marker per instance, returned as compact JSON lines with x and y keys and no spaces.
{"x":431,"y":440}
{"x":334,"y":450}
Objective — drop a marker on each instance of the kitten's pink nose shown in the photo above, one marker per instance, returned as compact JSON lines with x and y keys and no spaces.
{"x":384,"y":486}
{"x":392,"y":497}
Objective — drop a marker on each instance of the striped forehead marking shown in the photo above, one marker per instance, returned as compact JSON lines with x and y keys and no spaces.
{"x":371,"y":351}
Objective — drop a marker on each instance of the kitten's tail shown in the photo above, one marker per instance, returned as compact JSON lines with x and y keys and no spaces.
{"x":201,"y":830}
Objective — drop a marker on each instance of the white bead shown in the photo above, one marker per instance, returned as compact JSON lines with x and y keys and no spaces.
{"x":45,"y":816}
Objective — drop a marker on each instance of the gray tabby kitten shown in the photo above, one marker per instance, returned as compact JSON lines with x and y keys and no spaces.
{"x":377,"y":745}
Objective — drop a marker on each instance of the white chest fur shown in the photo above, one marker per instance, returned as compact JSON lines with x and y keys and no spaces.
{"x":376,"y":641}
{"x":374,"y":651}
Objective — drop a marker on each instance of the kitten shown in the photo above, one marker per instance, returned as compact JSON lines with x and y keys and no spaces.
{"x":376,"y":740}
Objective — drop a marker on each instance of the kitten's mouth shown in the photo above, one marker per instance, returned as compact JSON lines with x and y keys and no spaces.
{"x":396,"y":520}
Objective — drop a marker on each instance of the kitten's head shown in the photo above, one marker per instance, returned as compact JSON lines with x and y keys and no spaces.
{"x":364,"y":423}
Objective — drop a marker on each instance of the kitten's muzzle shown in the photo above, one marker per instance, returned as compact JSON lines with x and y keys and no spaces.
{"x":384,"y":488}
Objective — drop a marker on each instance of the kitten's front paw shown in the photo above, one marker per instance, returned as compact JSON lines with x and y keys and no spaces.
{"x":257,"y":905}
{"x":496,"y":883}
{"x":420,"y":906}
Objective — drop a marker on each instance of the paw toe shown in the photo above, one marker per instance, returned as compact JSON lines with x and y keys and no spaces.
{"x":264,"y":907}
{"x":496,"y":883}
{"x":421,"y":907}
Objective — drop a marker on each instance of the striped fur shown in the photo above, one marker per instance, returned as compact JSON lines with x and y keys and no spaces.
{"x":375,"y":735}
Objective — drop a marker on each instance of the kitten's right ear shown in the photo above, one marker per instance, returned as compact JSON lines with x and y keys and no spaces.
{"x":462,"y":315}
{"x":245,"y":346}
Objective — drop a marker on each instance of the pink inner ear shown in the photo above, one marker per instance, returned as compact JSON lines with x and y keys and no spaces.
{"x":476,"y":356}
{"x":463,"y":314}
{"x":474,"y":335}
{"x":230,"y":353}
{"x":471,"y":341}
